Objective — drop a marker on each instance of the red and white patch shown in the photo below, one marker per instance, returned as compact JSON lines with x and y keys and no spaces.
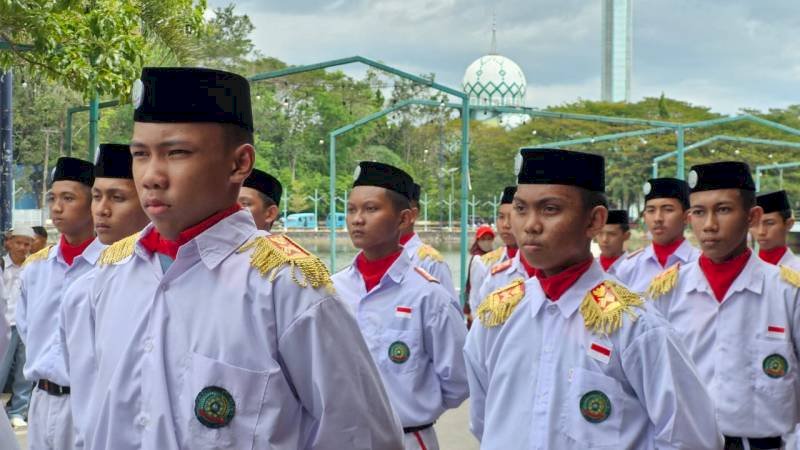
{"x":403,"y":312}
{"x":599,"y":352}
{"x":776,"y":332}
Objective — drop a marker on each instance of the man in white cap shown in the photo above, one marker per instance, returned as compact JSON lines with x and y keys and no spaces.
{"x":18,"y":244}
{"x":8,"y":440}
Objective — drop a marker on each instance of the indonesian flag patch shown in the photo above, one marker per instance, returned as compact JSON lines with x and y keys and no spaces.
{"x":599,"y":352}
{"x":403,"y":312}
{"x":776,"y":332}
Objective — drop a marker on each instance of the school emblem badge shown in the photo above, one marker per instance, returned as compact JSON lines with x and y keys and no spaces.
{"x":214,"y":407}
{"x":595,"y":406}
{"x":399,"y":352}
{"x":775,"y":366}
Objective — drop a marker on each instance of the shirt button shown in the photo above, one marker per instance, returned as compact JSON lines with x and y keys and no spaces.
{"x":552,"y":309}
{"x":148,"y":345}
{"x":143,"y":421}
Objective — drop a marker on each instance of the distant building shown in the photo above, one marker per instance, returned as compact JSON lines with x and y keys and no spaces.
{"x":496,"y":80}
{"x":617,"y":50}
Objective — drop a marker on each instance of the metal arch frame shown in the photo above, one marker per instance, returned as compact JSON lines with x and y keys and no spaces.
{"x":726,"y":138}
{"x":465,"y":114}
{"x":94,"y":115}
{"x":765,"y":167}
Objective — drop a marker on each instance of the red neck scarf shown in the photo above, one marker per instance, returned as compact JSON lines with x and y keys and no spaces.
{"x":511,"y":252}
{"x":70,"y":252}
{"x":663,"y":251}
{"x":530,"y":270}
{"x":373,"y":271}
{"x":608,"y":262}
{"x":404,"y":239}
{"x":721,"y":276}
{"x":554,"y":286}
{"x":774,"y":255}
{"x":154,"y":243}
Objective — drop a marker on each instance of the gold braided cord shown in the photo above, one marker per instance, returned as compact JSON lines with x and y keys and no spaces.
{"x":270,"y":253}
{"x":663,"y":282}
{"x":427,"y":252}
{"x":493,"y":256}
{"x":790,"y":275}
{"x":604,"y":306}
{"x":498,"y":306}
{"x":38,"y":256}
{"x":119,"y":250}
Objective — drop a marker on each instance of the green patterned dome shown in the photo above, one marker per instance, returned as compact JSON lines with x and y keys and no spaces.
{"x":495,"y":80}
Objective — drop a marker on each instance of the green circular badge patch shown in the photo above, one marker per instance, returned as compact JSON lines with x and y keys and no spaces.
{"x":595,"y":406}
{"x":399,"y":352}
{"x":775,"y":366}
{"x":214,"y":407}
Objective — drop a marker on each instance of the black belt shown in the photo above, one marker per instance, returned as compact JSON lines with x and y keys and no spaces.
{"x":733,"y":443}
{"x":417,"y":428}
{"x":52,"y":388}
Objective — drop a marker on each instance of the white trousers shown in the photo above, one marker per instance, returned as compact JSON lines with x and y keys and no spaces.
{"x":8,"y":440}
{"x":420,"y":440}
{"x":50,"y":422}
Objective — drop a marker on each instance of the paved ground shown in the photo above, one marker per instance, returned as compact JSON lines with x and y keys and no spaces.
{"x":452,"y":428}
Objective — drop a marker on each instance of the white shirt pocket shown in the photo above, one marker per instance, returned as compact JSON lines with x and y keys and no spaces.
{"x":222,"y":403}
{"x":402,"y":350}
{"x":774,"y":369}
{"x":591,"y":415}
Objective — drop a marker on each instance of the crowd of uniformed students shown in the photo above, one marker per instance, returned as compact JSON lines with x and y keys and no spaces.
{"x":167,"y":316}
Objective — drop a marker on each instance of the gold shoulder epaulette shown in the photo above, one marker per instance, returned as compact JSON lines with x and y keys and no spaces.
{"x":427,"y":252}
{"x":38,"y":256}
{"x":501,"y":267}
{"x":664,"y":282}
{"x":426,"y":275}
{"x":604,"y":306}
{"x":118,"y":251}
{"x":790,"y":275}
{"x":632,"y":254}
{"x":495,"y":309}
{"x":493,"y":256}
{"x":272,"y":252}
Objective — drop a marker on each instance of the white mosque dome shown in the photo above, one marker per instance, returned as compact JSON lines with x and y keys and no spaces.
{"x":495,"y":80}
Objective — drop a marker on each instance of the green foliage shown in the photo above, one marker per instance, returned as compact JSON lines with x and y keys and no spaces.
{"x":96,"y":46}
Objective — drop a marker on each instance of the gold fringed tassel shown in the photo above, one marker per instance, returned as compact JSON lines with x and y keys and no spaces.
{"x":119,"y":250}
{"x":38,"y":256}
{"x":268,"y":258}
{"x":790,"y":275}
{"x":663,"y":283}
{"x":499,"y":305}
{"x":604,"y":306}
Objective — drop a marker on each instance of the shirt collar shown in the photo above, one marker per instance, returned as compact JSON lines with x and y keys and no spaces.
{"x":751,"y":278}
{"x":413,"y":243}
{"x":91,"y":254}
{"x":572,"y":298}
{"x":396,"y":272}
{"x":216,"y":243}
{"x":683,"y":253}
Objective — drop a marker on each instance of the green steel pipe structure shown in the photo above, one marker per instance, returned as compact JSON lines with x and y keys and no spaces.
{"x":726,"y":138}
{"x":465,"y":111}
{"x":605,"y":137}
{"x":764,"y":167}
{"x":68,"y":124}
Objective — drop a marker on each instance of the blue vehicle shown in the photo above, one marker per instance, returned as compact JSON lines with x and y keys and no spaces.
{"x":304,"y":221}
{"x":340,"y":220}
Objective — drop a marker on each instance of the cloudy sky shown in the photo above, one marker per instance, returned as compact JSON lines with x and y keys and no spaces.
{"x":726,"y":54}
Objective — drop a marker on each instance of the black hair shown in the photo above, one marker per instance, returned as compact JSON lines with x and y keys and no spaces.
{"x":266,"y":200}
{"x":625,"y":227}
{"x":399,"y":201}
{"x":40,"y":231}
{"x":413,"y":204}
{"x":748,"y":199}
{"x":591,"y":199}
{"x":786,"y":214}
{"x":236,"y":136}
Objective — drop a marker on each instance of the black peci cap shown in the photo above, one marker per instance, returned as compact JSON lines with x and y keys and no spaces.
{"x":617,"y":217}
{"x":557,"y":166}
{"x":383,"y":175}
{"x":667,"y":188}
{"x":776,"y":201}
{"x":74,"y":169}
{"x":266,"y":184}
{"x":508,"y":195}
{"x":721,"y":175}
{"x":177,"y":94}
{"x":114,"y":161}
